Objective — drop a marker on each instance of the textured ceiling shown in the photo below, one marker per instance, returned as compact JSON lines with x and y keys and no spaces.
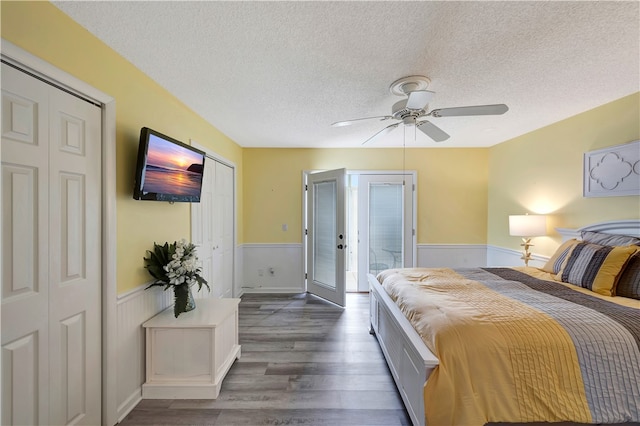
{"x":277,"y":74}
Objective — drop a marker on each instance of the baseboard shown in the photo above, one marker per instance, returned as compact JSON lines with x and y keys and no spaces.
{"x":129,"y":404}
{"x":272,"y":290}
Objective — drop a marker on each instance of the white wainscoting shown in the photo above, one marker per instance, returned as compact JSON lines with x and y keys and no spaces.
{"x":238,"y":272}
{"x":451,"y":255}
{"x":286,"y":262}
{"x":134,"y":308}
{"x":500,"y":256}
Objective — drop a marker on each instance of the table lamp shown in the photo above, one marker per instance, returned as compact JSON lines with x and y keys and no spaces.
{"x":527,"y":226}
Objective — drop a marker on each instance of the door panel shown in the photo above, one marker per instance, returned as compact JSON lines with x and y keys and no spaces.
{"x":326,"y":235}
{"x":21,"y":376}
{"x":25,"y":249}
{"x":51,"y":280}
{"x":75,"y":261}
{"x":385,"y":224}
{"x":203,"y":228}
{"x":213,"y":228}
{"x":225,"y":198}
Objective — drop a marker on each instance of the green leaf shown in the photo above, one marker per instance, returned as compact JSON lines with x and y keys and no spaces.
{"x":202,"y":281}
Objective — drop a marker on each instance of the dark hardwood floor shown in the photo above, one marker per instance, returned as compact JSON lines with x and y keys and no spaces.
{"x":304,"y":361}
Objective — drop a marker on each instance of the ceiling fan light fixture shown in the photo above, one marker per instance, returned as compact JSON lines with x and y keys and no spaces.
{"x":403,"y":86}
{"x":409,"y":121}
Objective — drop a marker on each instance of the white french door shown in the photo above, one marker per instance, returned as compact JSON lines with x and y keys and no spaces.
{"x":326,"y":235}
{"x":51,"y":254}
{"x":386,"y":229}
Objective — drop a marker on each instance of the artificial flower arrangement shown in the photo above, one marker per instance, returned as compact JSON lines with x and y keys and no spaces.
{"x":176,"y":265}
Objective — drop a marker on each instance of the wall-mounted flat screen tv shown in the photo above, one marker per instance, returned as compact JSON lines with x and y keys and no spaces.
{"x":167,"y":169}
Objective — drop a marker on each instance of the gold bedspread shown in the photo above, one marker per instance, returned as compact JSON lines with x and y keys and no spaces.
{"x":500,"y":359}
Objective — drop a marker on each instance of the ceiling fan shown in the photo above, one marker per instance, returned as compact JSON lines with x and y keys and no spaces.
{"x":413,"y":109}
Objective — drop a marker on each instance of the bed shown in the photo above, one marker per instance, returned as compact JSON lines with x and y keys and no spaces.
{"x":481,"y":345}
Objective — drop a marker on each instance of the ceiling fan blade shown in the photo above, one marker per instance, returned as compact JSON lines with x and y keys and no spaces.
{"x":470,"y":110}
{"x":419,"y":99}
{"x":356,"y":120}
{"x":382,"y":132}
{"x":433,"y":131}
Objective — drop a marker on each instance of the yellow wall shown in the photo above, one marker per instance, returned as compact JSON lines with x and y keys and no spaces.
{"x":44,"y":31}
{"x":452,"y":189}
{"x":541,"y":172}
{"x":464,"y":195}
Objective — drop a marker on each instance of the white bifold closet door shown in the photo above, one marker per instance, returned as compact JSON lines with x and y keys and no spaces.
{"x":51,"y":254}
{"x":212,"y":222}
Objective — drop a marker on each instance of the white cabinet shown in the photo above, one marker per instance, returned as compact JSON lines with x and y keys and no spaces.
{"x":188,"y":356}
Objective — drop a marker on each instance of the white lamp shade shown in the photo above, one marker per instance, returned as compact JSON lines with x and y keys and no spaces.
{"x":527,"y":225}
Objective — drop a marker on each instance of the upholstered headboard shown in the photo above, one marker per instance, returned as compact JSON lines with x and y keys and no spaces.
{"x":620,"y":227}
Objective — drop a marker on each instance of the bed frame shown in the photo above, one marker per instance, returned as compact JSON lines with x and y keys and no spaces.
{"x":409,"y":360}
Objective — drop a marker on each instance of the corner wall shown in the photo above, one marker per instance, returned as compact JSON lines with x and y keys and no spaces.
{"x":44,"y":31}
{"x":451,"y":212}
{"x":541,"y":172}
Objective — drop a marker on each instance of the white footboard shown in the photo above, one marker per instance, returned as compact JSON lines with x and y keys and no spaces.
{"x":408,"y":358}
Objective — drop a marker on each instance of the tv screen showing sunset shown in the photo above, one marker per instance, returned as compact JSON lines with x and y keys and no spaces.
{"x":172,"y":169}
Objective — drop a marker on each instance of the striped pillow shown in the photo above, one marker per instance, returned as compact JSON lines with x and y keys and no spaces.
{"x":629,"y":282}
{"x":554,"y":264}
{"x":595,"y":267}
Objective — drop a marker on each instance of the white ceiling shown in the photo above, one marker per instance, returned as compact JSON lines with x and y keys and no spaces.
{"x":277,"y":74}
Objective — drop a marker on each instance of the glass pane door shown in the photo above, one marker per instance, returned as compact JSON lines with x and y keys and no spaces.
{"x":385,"y":224}
{"x":326,"y":236}
{"x":324,"y":225}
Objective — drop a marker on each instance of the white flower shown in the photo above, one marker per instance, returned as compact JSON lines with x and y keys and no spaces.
{"x":189,"y":264}
{"x":182,"y":267}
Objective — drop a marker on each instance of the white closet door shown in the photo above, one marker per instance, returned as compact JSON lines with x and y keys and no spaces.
{"x":25,"y":250}
{"x":51,"y":282}
{"x":213,"y":228}
{"x":75,"y":263}
{"x":202,"y":227}
{"x":225,"y":221}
